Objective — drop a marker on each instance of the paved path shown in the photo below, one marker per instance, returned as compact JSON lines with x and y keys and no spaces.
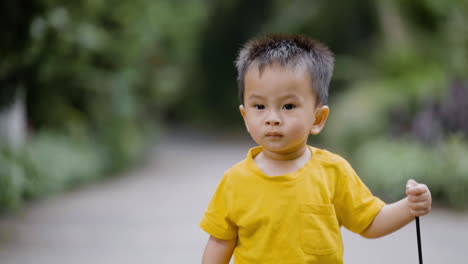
{"x":151,"y":215}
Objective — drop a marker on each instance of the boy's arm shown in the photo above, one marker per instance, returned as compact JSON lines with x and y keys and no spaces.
{"x":396,"y":215}
{"x":218,"y":251}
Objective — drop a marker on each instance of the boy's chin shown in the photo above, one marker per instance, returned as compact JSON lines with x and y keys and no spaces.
{"x":281,"y":149}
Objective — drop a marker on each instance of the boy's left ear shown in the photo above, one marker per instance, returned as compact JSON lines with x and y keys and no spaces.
{"x":321,"y":115}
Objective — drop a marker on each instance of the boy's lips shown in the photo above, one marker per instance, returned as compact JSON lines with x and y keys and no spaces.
{"x":273,"y":134}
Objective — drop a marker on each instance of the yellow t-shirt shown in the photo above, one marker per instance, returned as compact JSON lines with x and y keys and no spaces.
{"x":292,"y":218}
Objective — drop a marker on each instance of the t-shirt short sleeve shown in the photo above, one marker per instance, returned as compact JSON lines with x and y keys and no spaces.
{"x":216,"y":220}
{"x":355,"y":204}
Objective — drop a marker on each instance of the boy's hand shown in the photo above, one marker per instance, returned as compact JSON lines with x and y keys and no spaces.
{"x":419,"y":198}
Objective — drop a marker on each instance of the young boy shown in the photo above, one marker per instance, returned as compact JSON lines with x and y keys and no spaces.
{"x":286,"y":202}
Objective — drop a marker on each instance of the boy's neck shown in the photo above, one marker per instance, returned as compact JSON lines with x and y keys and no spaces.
{"x":274,"y":164}
{"x":290,"y":156}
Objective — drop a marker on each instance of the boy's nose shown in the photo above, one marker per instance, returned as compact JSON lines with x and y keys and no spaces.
{"x":273,"y":120}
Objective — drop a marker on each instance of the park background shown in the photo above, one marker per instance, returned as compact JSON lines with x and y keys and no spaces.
{"x":90,"y":89}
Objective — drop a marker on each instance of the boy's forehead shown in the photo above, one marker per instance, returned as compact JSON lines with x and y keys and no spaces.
{"x":295,"y":73}
{"x":257,"y":71}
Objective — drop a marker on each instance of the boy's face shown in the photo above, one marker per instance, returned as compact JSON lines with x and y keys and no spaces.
{"x":280,"y":108}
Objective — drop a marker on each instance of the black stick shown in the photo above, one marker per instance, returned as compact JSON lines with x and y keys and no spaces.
{"x":418,"y":233}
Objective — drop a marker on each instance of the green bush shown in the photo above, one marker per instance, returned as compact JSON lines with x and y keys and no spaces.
{"x":454,"y":177}
{"x":403,"y":114}
{"x":49,"y":162}
{"x":11,"y":180}
{"x":386,"y":165}
{"x":97,"y":77}
{"x":53,"y":162}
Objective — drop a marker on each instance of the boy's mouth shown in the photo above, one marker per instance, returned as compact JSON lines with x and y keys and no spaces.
{"x":274,"y":135}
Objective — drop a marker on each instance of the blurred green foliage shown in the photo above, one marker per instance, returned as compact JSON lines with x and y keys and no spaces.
{"x":99,"y":76}
{"x":50,"y":162}
{"x":96,"y":76}
{"x":405,"y":112}
{"x":386,"y":165}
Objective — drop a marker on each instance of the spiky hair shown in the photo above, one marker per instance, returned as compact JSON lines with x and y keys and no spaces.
{"x":288,"y":51}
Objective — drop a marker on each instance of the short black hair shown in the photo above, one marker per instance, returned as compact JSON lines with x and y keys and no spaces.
{"x":288,"y":51}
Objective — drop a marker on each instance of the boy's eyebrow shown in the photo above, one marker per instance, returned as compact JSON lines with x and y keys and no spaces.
{"x":254,"y":96}
{"x":288,"y":96}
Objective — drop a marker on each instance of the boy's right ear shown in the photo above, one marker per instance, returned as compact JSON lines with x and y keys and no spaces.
{"x":242,"y":110}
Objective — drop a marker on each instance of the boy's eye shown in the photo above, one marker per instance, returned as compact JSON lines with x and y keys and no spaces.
{"x":289,"y":106}
{"x":259,"y":106}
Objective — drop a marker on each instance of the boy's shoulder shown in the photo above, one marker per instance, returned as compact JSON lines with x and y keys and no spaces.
{"x":332,"y":162}
{"x":240,"y":168}
{"x":327,"y":157}
{"x":244,"y":168}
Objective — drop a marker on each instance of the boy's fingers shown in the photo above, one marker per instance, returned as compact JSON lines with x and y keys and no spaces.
{"x":420,"y":206}
{"x":411,"y":183}
{"x":417,"y":198}
{"x":417,"y":190}
{"x":420,"y":212}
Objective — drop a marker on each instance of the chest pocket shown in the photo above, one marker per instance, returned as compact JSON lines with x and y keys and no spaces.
{"x":320,"y":231}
